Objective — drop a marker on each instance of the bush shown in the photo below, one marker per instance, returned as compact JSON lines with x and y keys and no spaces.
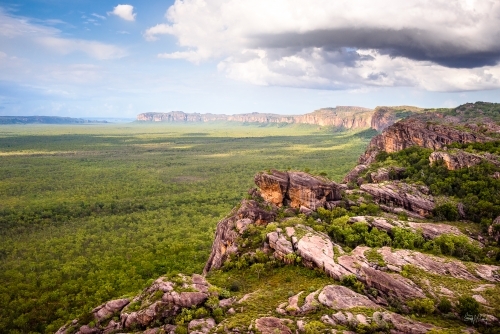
{"x":467,"y":307}
{"x":407,"y":239}
{"x":421,"y":306}
{"x":314,"y":327}
{"x":446,"y":211}
{"x":444,"y":305}
{"x":352,"y":282}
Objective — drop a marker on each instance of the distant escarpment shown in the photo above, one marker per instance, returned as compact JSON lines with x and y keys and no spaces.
{"x":339,"y":117}
{"x":346,"y":118}
{"x":44,"y":120}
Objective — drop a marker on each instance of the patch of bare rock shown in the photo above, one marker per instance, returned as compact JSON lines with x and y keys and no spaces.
{"x":402,"y":195}
{"x":297,"y":189}
{"x":162,"y":300}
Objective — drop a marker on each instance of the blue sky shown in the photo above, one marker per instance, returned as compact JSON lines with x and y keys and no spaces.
{"x":118,"y":59}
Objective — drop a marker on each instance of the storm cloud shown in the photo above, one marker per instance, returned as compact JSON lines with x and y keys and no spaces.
{"x":435,"y":45}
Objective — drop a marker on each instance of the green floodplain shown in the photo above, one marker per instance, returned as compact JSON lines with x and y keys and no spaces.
{"x":90,"y":213}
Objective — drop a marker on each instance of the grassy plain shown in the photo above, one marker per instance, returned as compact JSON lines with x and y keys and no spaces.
{"x":93,"y":212}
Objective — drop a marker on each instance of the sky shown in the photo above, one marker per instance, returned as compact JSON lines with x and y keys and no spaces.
{"x":118,"y":59}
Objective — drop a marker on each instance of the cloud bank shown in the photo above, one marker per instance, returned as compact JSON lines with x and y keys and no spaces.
{"x":125,"y":12}
{"x":439,"y":45}
{"x":16,"y":31}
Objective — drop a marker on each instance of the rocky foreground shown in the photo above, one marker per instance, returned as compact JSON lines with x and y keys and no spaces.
{"x":389,"y":265}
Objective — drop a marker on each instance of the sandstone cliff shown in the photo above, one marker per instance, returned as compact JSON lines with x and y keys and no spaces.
{"x":416,"y":132}
{"x":339,"y":117}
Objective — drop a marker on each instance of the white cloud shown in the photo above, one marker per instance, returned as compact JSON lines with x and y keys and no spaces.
{"x":16,"y":31}
{"x":99,"y":16}
{"x":441,"y":45}
{"x":125,"y":12}
{"x":94,"y":49}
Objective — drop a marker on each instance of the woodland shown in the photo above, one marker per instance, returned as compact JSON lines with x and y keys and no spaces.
{"x":94,"y":212}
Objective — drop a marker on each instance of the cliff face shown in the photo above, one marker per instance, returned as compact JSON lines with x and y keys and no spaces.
{"x":339,"y":117}
{"x":416,"y":132}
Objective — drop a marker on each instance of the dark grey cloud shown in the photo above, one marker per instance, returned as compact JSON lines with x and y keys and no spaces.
{"x":451,"y":51}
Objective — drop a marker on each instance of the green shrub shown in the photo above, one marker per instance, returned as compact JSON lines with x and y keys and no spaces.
{"x":351,"y":281}
{"x":314,"y":327}
{"x":444,"y":305}
{"x":421,"y":306}
{"x":446,"y":211}
{"x":467,"y":307}
{"x":404,"y":238}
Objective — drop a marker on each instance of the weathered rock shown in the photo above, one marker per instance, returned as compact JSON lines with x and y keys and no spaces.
{"x":412,"y":198}
{"x":281,"y":245}
{"x":429,"y":263}
{"x":185,"y":299}
{"x":455,"y":160}
{"x":271,"y":325}
{"x":488,"y":272}
{"x":432,"y":231}
{"x":354,"y":174}
{"x":341,"y":298}
{"x":296,"y":189}
{"x":404,"y":325}
{"x":227,"y":231}
{"x":416,"y":132}
{"x":429,"y":230}
{"x":106,"y":310}
{"x":224,"y":303}
{"x":201,"y":326}
{"x":494,"y":229}
{"x":88,"y":330}
{"x":387,"y":174}
{"x":316,"y":251}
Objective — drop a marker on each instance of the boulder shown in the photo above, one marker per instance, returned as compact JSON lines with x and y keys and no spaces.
{"x":354,"y":174}
{"x":409,"y":197}
{"x":272,"y":325}
{"x":201,"y":326}
{"x":231,"y":227}
{"x":386,"y":174}
{"x":296,"y":189}
{"x":339,"y":297}
{"x":106,"y":310}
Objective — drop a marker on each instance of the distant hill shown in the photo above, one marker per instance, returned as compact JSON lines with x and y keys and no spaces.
{"x":44,"y":120}
{"x":341,"y":117}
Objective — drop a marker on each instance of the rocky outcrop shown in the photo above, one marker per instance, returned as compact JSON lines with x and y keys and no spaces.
{"x":355,"y":174}
{"x":380,"y":320}
{"x":272,"y":325}
{"x":339,"y":117}
{"x":314,"y":248}
{"x":412,"y":198}
{"x":297,"y":189}
{"x":383,"y":117}
{"x":458,"y":159}
{"x":415,"y":132}
{"x":429,"y":230}
{"x":233,"y":226}
{"x":339,"y":297}
{"x":201,"y":326}
{"x":386,"y":174}
{"x":164,"y":299}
